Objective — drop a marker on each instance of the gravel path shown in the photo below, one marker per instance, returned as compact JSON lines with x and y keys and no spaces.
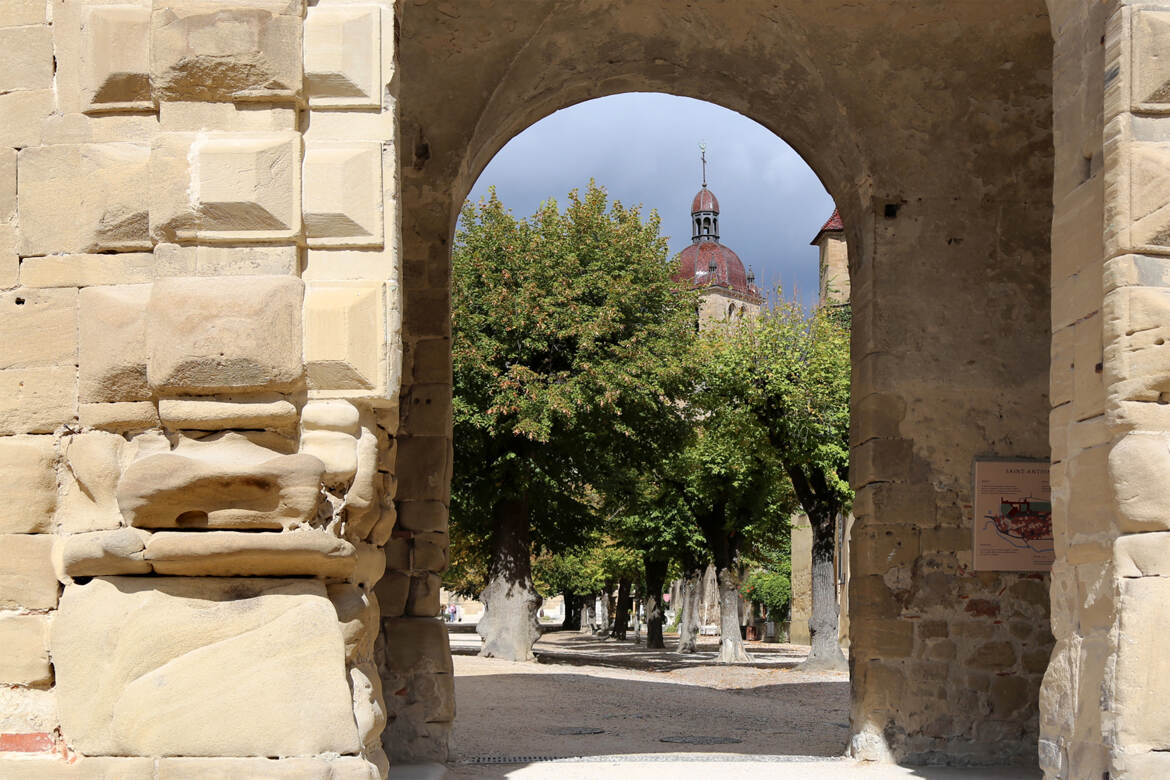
{"x":588,"y":697}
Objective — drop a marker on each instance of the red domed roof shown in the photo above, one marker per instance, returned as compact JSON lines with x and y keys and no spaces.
{"x":705,"y":201}
{"x":695,"y":262}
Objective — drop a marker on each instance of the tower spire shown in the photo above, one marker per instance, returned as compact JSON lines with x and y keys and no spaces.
{"x":703,"y":157}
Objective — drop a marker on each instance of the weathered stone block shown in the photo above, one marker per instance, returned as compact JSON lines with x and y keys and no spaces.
{"x":98,"y":185}
{"x":15,"y":13}
{"x":345,"y":337}
{"x":1142,"y":555}
{"x":25,"y":660}
{"x":27,"y":710}
{"x":1141,"y":711}
{"x":368,"y":708}
{"x":226,"y":51}
{"x":424,"y":468}
{"x":7,"y":184}
{"x":222,"y":413}
{"x":424,"y":595}
{"x":422,"y":516}
{"x":222,"y":481}
{"x":26,"y":572}
{"x":343,"y":56}
{"x":1149,"y":73}
{"x":392,"y":592}
{"x":887,"y":639}
{"x":24,"y":115}
{"x":115,"y":58}
{"x":99,"y":553}
{"x":87,"y":270}
{"x":26,"y":58}
{"x":429,"y":552}
{"x":357,"y":611}
{"x":239,"y":554}
{"x":226,"y":187}
{"x":28,"y":479}
{"x":78,"y":769}
{"x":342,"y":200}
{"x":1137,"y":465}
{"x":9,"y":259}
{"x":340,"y":768}
{"x":37,"y":400}
{"x":176,"y":260}
{"x":202,"y":667}
{"x":208,"y":335}
{"x":330,"y":431}
{"x":112,"y":331}
{"x":120,"y":417}
{"x":51,"y":315}
{"x":417,"y":645}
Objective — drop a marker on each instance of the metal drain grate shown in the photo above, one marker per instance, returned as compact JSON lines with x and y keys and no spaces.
{"x":512,"y":759}
{"x":693,"y":740}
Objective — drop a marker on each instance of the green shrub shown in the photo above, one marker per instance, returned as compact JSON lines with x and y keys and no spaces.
{"x":772,"y":589}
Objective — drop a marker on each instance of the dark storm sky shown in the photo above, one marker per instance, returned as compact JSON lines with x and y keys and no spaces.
{"x":643,"y":148}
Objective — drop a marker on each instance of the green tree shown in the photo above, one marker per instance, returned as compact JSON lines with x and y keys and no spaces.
{"x":567,"y":337}
{"x":791,"y":370}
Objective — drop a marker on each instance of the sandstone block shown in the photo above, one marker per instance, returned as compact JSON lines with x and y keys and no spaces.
{"x":362,"y":507}
{"x":27,"y":710}
{"x":87,"y":270}
{"x":340,"y":768}
{"x":112,"y":331}
{"x":215,"y":413}
{"x":176,"y":260}
{"x":115,"y":58}
{"x":398,"y":553}
{"x":9,"y":260}
{"x":371,"y":565}
{"x":236,"y":554}
{"x":25,"y":660}
{"x":15,"y":13}
{"x":328,"y":433}
{"x":51,"y":315}
{"x":223,"y":481}
{"x":384,"y":525}
{"x":343,"y":54}
{"x":202,"y":667}
{"x":424,"y":469}
{"x":342,"y":200}
{"x":426,"y":410}
{"x":226,"y":50}
{"x":208,"y":335}
{"x":99,"y":553}
{"x":28,"y":479}
{"x":26,"y":58}
{"x":417,"y":644}
{"x":120,"y":417}
{"x":424,"y":595}
{"x":346,"y":338}
{"x":178,"y":117}
{"x":79,"y":769}
{"x":1137,"y":464}
{"x":429,"y":552}
{"x":1142,"y":713}
{"x":98,"y":185}
{"x":37,"y":400}
{"x":7,"y":184}
{"x":25,"y":113}
{"x":392,"y":592}
{"x":422,"y":516}
{"x":1149,"y":72}
{"x":368,"y":708}
{"x":357,"y":612}
{"x":226,"y":187}
{"x":27,"y":580}
{"x":1142,"y":555}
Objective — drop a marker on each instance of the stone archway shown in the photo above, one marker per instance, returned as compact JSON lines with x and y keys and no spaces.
{"x":930,"y":127}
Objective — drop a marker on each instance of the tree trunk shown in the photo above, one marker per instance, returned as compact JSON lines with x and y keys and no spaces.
{"x":509,"y":626}
{"x":621,"y":616}
{"x":572,"y":621}
{"x":587,"y":615}
{"x":688,"y":625}
{"x":655,"y":582}
{"x":602,"y":615}
{"x":822,"y":625}
{"x":730,"y":639}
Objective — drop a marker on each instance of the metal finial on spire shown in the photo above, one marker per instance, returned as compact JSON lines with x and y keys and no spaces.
{"x":703,"y":157}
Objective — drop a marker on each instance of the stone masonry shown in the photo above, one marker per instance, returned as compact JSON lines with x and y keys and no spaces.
{"x":225,"y":383}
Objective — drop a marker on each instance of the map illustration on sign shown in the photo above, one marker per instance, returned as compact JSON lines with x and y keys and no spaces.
{"x":1013,"y":516}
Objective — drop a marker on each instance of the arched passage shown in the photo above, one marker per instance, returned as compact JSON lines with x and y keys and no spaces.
{"x":930,"y":126}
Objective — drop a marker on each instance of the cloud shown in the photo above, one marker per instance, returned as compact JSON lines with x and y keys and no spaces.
{"x":643,"y":148}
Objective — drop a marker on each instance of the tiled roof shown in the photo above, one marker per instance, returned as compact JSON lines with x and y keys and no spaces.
{"x":834,"y":225}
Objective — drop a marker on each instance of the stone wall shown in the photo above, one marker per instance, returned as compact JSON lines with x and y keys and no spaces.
{"x":1103,"y":702}
{"x":200,"y":360}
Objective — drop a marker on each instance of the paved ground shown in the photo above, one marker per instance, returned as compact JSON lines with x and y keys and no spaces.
{"x":605,"y":709}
